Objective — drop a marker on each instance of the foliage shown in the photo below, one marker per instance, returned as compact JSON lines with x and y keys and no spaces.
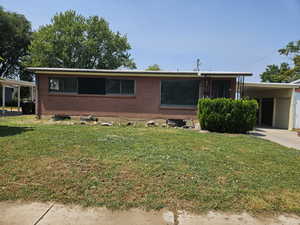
{"x":282,"y":73}
{"x":285,"y":73}
{"x":127,"y":167}
{"x":14,"y":41}
{"x":227,"y":115}
{"x":154,"y":67}
{"x":74,"y":41}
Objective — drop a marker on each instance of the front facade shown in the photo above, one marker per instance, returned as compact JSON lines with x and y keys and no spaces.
{"x":140,"y":94}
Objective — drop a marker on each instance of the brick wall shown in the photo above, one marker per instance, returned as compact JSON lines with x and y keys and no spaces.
{"x":145,"y":103}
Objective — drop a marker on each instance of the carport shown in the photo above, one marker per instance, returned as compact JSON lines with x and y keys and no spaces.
{"x":15,"y":84}
{"x":276,"y":103}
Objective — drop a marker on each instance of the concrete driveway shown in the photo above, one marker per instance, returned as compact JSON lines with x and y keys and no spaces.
{"x":284,"y":137}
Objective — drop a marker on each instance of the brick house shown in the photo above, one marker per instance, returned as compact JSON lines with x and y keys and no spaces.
{"x":129,"y":93}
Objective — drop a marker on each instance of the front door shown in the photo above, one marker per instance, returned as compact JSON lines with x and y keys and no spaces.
{"x":267,"y":111}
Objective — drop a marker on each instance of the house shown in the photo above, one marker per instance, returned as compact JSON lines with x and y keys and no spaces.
{"x":279,"y":103}
{"x":130,"y":93}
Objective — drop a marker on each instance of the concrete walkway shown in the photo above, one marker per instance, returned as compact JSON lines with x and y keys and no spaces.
{"x":284,"y":137}
{"x":53,"y":214}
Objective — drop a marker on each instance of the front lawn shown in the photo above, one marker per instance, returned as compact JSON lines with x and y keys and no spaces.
{"x":122,"y":167}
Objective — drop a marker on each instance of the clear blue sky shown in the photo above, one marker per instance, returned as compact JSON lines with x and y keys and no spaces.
{"x":227,"y":35}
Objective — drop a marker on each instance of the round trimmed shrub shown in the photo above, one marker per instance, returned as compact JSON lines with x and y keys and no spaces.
{"x":227,"y":115}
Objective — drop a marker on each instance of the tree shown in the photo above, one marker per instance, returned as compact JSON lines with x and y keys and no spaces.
{"x":285,"y":72}
{"x":292,"y":50}
{"x":74,"y":41}
{"x":14,"y":41}
{"x":154,"y":67}
{"x":279,"y":74}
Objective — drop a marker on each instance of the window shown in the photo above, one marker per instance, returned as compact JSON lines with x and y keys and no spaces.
{"x":179,"y":92}
{"x":96,"y":86}
{"x":91,"y":86}
{"x":221,"y":88}
{"x":120,"y":87}
{"x":63,"y":84}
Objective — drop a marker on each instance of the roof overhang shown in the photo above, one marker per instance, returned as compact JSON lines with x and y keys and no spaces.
{"x":133,"y":73}
{"x":16,"y":83}
{"x":266,"y":85}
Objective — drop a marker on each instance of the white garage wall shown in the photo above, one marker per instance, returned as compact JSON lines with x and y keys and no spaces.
{"x":297,"y":110}
{"x":282,"y":113}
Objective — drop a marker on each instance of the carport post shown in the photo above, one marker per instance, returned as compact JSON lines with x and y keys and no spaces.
{"x":32,"y":93}
{"x":19,"y":96}
{"x":292,"y":111}
{"x":3,"y":99}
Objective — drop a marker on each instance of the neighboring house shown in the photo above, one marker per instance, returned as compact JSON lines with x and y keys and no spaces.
{"x":147,"y":94}
{"x":10,"y":89}
{"x":9,"y":94}
{"x":279,"y":103}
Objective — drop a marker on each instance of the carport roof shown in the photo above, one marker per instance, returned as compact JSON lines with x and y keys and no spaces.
{"x":10,"y":82}
{"x":271,"y":85}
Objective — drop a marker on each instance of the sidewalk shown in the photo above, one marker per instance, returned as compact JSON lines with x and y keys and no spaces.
{"x":13,"y":213}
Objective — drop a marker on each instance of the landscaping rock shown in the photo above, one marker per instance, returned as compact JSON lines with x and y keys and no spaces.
{"x":175,"y":122}
{"x":89,"y":118}
{"x":106,"y":124}
{"x":130,"y":123}
{"x":58,"y":117}
{"x":151,"y":123}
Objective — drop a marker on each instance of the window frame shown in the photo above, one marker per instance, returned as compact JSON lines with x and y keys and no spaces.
{"x":120,"y":94}
{"x":77,"y":87}
{"x":62,"y":92}
{"x":175,"y":105}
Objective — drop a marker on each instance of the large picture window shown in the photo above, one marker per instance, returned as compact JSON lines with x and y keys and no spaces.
{"x":120,"y":87}
{"x":179,"y":92}
{"x":63,"y":84}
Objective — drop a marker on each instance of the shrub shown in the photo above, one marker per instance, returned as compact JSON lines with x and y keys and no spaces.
{"x":227,"y":115}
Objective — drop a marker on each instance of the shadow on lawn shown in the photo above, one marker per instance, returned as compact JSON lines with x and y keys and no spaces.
{"x":10,"y":131}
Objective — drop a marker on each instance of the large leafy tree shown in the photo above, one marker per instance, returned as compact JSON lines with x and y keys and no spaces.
{"x":74,"y":41}
{"x":14,"y":41}
{"x":285,"y":72}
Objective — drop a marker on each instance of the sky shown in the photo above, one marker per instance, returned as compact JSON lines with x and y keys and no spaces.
{"x":226,"y":35}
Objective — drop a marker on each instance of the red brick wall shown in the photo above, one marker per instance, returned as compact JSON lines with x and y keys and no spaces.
{"x":145,"y":103}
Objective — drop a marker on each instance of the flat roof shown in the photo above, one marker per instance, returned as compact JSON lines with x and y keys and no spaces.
{"x":271,"y":85}
{"x":162,"y":73}
{"x":10,"y":82}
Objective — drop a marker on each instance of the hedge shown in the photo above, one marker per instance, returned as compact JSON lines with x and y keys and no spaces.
{"x":227,"y":115}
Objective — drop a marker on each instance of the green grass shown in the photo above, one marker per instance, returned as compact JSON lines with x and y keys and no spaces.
{"x":122,"y":167}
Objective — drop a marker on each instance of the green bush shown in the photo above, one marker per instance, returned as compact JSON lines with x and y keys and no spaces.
{"x":227,"y":115}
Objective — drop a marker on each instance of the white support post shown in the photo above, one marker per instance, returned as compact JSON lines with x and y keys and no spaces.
{"x":292,"y":111}
{"x":3,"y":99}
{"x":19,"y":98}
{"x":32,"y":93}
